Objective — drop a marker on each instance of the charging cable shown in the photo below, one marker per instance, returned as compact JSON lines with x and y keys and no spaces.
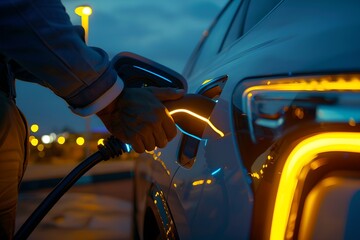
{"x":112,"y":148}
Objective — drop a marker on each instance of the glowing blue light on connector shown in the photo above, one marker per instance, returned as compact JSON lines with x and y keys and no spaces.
{"x":189,"y":134}
{"x":146,"y":70}
{"x":128,"y":147}
{"x":216,"y":171}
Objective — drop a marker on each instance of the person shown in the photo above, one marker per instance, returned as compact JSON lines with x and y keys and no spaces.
{"x":39,"y":44}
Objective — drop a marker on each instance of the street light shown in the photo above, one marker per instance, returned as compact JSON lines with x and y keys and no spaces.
{"x":84,"y":12}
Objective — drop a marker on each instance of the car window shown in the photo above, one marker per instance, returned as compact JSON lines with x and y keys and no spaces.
{"x":257,"y":10}
{"x":212,"y":41}
{"x":237,"y":25}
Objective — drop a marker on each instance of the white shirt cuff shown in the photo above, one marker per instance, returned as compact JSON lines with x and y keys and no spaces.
{"x":102,"y":101}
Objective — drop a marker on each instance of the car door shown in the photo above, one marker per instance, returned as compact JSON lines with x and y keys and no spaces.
{"x":212,"y":189}
{"x":197,"y":177}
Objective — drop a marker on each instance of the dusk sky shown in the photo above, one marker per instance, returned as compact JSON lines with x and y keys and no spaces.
{"x":166,"y":31}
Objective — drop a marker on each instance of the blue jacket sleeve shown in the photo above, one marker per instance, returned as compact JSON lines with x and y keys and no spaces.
{"x":39,"y":37}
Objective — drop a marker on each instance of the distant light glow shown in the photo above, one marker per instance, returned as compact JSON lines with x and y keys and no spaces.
{"x":34,"y":142}
{"x":34,"y":128}
{"x":46,"y":139}
{"x":61,"y":140}
{"x":40,"y":147}
{"x":52,"y":137}
{"x":301,"y":155}
{"x":80,"y":141}
{"x":200,"y":118}
{"x":216,"y":171}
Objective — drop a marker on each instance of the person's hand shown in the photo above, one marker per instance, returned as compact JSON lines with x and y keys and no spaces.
{"x":139,"y":118}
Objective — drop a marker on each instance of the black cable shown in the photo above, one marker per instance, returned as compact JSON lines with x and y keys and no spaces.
{"x":112,"y":148}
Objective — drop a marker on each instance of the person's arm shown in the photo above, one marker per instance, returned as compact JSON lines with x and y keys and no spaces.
{"x":39,"y":36}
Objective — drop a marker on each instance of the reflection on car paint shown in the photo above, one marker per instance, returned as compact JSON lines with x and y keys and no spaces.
{"x":216,"y":172}
{"x":201,"y":182}
{"x":155,"y":154}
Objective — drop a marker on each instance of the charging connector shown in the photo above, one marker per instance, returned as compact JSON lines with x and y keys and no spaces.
{"x":112,"y":148}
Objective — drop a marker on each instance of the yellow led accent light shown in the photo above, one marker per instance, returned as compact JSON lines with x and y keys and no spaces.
{"x":200,"y":118}
{"x":302,"y":154}
{"x":322,"y":83}
{"x":40,"y":147}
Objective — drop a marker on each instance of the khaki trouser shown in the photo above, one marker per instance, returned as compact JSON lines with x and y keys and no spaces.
{"x":13,"y":155}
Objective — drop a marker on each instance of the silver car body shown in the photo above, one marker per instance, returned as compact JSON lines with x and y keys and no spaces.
{"x":213,"y":197}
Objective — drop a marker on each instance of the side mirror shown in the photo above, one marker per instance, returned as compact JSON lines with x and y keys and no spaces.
{"x":190,"y":113}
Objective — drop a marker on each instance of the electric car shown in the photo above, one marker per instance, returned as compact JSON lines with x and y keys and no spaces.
{"x":277,"y":155}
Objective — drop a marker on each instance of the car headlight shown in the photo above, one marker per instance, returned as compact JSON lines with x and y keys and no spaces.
{"x":282,"y":126}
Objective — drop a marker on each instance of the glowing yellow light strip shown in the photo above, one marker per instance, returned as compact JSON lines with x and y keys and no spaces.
{"x":315,"y":84}
{"x":300,"y":156}
{"x":198,"y":117}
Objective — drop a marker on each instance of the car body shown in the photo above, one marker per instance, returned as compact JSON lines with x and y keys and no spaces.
{"x":284,"y":75}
